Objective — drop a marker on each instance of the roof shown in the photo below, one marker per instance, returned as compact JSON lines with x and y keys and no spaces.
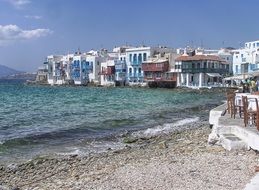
{"x":199,"y":58}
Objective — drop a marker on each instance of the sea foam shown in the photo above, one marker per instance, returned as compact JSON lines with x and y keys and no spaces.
{"x":165,"y":128}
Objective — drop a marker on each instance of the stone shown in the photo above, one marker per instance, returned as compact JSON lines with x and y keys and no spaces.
{"x":163,"y":145}
{"x":129,"y":140}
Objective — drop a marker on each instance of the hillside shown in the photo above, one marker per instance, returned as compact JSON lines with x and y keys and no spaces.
{"x":6,"y":71}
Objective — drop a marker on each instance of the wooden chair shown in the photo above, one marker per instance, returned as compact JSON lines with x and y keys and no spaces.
{"x":231,"y":108}
{"x":250,"y":114}
{"x":257,"y":114}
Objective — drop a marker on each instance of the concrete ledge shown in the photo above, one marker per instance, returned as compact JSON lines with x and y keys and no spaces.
{"x":232,"y":142}
{"x":254,"y":183}
{"x":216,"y":113}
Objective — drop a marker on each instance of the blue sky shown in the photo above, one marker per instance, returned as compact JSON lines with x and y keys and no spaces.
{"x":32,"y":29}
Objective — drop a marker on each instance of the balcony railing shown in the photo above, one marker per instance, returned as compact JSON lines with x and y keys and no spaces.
{"x":204,"y":70}
{"x":135,"y":75}
{"x":136,"y":62}
{"x":162,"y":67}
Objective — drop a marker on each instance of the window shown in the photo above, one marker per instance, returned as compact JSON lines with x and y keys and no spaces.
{"x":236,"y":68}
{"x":198,"y":65}
{"x":139,"y":70}
{"x":257,"y":44}
{"x":242,"y":55}
{"x":130,"y":57}
{"x":253,"y":45}
{"x":177,"y":66}
{"x":204,"y":65}
{"x":134,"y":58}
{"x":237,"y":56}
{"x":135,"y":70}
{"x":98,"y":63}
{"x":227,"y":58}
{"x":130,"y":70}
{"x":144,"y":56}
{"x":140,"y":58}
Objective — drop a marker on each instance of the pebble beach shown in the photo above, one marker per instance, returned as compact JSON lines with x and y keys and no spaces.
{"x":179,"y":160}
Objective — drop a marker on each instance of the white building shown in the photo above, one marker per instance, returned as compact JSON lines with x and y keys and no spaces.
{"x":54,"y":66}
{"x":200,"y":70}
{"x":108,"y":73}
{"x":135,"y":57}
{"x":246,"y":60}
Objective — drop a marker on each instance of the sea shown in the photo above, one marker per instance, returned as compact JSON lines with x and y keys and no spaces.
{"x":62,"y":120}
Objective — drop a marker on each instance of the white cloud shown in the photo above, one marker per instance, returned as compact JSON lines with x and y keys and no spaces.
{"x":36,"y":17}
{"x":19,"y":3}
{"x":12,"y":33}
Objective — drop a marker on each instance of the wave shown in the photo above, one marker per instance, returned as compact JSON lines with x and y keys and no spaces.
{"x":165,"y":128}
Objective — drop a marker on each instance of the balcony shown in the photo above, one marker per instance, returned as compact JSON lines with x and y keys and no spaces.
{"x":120,"y":65}
{"x":110,"y":70}
{"x":136,"y":62}
{"x":155,"y":67}
{"x":204,"y":70}
{"x":162,"y":77}
{"x":135,"y":75}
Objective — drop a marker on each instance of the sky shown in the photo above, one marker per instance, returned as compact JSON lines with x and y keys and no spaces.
{"x":32,"y":29}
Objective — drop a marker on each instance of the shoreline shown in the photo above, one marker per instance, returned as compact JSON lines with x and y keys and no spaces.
{"x":177,"y":160}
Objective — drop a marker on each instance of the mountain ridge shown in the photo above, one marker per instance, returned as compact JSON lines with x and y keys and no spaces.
{"x":6,"y":71}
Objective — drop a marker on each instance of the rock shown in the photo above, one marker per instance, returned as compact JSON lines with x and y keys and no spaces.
{"x":130,"y":140}
{"x":163,"y":145}
{"x":16,"y":188}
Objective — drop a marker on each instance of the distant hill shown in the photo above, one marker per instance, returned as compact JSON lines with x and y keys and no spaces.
{"x":21,"y":76}
{"x":6,"y":71}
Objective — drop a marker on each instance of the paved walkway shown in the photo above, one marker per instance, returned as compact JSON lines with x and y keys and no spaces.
{"x":224,"y":125}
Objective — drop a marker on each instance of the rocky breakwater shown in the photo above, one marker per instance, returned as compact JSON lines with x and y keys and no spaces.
{"x":178,"y":160}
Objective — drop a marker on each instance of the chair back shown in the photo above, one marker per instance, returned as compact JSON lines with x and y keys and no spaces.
{"x":245,"y":109}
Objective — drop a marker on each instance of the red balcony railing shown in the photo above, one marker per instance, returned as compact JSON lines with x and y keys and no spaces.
{"x":163,"y":67}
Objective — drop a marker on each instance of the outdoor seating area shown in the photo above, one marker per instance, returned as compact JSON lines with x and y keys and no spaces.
{"x":244,"y":106}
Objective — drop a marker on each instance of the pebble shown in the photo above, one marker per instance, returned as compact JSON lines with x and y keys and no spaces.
{"x":185,"y":164}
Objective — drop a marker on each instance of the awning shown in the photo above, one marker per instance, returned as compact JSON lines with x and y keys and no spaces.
{"x":214,"y":74}
{"x":238,"y":77}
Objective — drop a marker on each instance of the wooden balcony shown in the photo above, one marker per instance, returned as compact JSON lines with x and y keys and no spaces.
{"x":159,"y":67}
{"x":162,"y":77}
{"x":110,"y":70}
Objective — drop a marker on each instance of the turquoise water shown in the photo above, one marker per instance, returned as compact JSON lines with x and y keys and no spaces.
{"x":40,"y":119}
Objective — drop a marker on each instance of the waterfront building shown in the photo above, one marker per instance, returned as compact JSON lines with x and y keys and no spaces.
{"x":134,"y":58}
{"x":157,"y":70}
{"x":224,"y":53}
{"x":246,"y":59}
{"x":120,"y":65}
{"x":108,"y":73}
{"x":95,"y":58}
{"x":200,"y":70}
{"x":55,"y":69}
{"x":80,"y":69}
{"x":42,"y":74}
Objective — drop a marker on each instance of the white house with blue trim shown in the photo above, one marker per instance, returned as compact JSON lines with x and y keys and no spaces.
{"x":246,"y":60}
{"x":134,"y":58}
